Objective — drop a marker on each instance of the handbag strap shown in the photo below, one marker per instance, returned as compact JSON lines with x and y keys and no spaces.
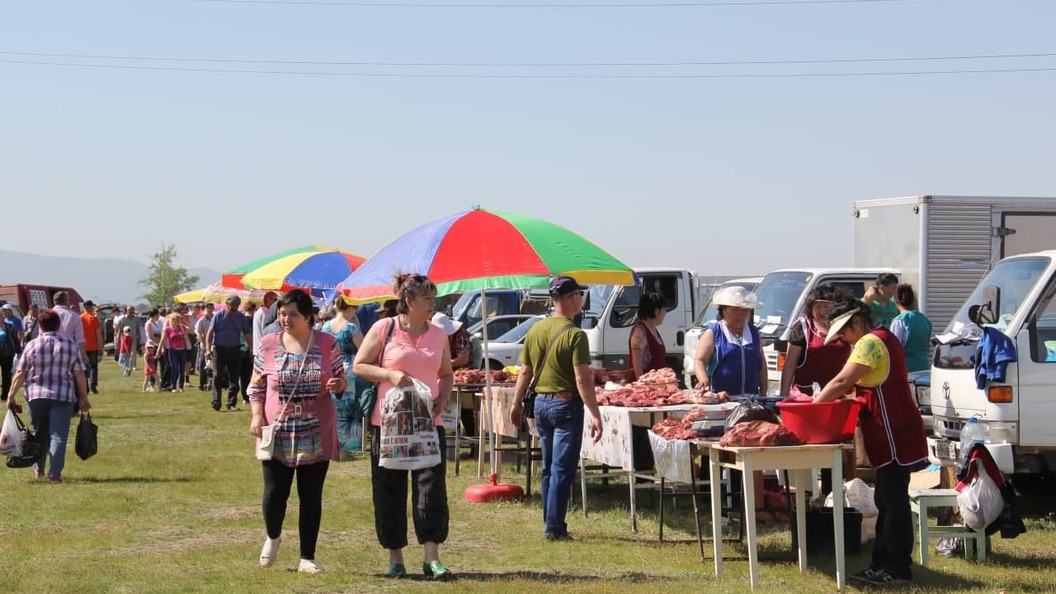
{"x":384,"y":343}
{"x":300,"y":374}
{"x":546,"y":354}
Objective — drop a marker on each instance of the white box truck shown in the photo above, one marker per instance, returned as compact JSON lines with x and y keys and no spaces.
{"x":1016,"y":302}
{"x":945,"y":244}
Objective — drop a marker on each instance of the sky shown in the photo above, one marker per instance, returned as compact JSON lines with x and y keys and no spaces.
{"x":724,"y":168}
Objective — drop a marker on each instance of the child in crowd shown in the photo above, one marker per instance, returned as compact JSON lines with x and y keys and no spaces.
{"x":150,"y":370}
{"x":124,"y":352}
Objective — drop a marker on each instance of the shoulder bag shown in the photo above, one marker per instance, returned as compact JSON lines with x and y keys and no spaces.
{"x":370,"y":395}
{"x":528,"y":402}
{"x":266,"y":445}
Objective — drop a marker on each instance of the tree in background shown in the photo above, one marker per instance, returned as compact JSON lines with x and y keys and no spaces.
{"x":165,"y":280}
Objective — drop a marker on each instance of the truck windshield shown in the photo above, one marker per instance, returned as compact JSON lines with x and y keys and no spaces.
{"x":779,"y":293}
{"x":468,"y":305}
{"x":1015,"y":279}
{"x":597,"y":297}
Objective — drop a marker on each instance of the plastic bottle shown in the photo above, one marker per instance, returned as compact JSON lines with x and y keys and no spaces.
{"x":974,"y":431}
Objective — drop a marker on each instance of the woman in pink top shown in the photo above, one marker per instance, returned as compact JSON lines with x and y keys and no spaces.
{"x":413,"y":348}
{"x":293,"y":374}
{"x":173,"y":345}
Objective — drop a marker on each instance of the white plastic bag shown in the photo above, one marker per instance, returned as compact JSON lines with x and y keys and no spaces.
{"x":409,"y":440}
{"x":10,"y":436}
{"x":859,"y":495}
{"x":980,"y":502}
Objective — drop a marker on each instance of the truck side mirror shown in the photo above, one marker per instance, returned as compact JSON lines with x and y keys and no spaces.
{"x":989,"y":310}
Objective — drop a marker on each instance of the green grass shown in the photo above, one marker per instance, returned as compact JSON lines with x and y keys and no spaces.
{"x":172,"y":504}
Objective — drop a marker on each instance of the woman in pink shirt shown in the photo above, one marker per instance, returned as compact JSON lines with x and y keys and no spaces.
{"x":173,"y":344}
{"x":409,"y":346}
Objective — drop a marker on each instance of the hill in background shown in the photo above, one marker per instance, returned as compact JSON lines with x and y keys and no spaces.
{"x":99,"y":279}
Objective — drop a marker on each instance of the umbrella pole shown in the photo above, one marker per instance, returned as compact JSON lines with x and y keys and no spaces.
{"x":493,"y":490}
{"x":492,"y":468}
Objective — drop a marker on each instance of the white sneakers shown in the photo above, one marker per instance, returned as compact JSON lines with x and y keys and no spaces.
{"x":270,"y":551}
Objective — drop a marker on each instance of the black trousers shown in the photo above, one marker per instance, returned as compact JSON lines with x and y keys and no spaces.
{"x":226,"y":365}
{"x":893,"y":548}
{"x":278,"y":480}
{"x":91,"y":370}
{"x":428,"y":497}
{"x":245,"y":372}
{"x":6,"y":374}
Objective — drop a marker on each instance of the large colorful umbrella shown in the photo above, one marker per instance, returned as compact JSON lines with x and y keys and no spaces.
{"x":316,"y":270}
{"x":233,"y":278}
{"x":479,"y":249}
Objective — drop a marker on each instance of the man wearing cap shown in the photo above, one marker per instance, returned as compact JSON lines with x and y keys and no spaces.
{"x":70,"y":324}
{"x":565,"y":387}
{"x":131,"y":321}
{"x":222,"y":344}
{"x":93,"y":342}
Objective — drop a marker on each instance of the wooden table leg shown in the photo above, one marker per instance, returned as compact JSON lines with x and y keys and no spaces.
{"x":715,"y":487}
{"x":748,"y":471}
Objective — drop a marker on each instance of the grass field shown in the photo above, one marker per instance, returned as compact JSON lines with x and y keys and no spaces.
{"x":172,"y":504}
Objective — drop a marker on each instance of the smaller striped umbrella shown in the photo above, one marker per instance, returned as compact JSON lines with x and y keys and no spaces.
{"x":316,"y":271}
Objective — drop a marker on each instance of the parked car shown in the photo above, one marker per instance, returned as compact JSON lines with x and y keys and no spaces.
{"x":504,"y":350}
{"x":498,"y":325}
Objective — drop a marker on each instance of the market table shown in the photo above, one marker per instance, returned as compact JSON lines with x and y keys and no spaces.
{"x":800,"y":461}
{"x":616,"y":447}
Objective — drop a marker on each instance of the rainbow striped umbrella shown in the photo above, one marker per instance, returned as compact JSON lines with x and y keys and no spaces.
{"x":233,"y":278}
{"x":316,"y":269}
{"x":480,"y":249}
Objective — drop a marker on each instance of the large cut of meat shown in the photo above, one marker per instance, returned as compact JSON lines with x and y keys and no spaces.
{"x":658,"y":377}
{"x":758,"y":433}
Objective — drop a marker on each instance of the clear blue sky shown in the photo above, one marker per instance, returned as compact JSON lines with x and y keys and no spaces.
{"x":726,"y":175}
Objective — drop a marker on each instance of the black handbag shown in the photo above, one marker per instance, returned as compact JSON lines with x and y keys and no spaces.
{"x":528,"y":402}
{"x":370,"y":395}
{"x":87,"y":442}
{"x":31,"y":450}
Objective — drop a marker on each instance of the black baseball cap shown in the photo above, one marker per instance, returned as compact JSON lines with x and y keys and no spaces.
{"x":563,"y":285}
{"x":89,"y":303}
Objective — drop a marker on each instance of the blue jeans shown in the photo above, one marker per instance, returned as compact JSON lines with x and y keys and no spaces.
{"x":51,"y":418}
{"x":560,"y":425}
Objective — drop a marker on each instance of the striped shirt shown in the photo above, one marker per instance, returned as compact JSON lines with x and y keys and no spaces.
{"x":49,"y":363}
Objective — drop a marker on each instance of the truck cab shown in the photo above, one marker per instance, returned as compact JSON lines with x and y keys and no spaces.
{"x":1014,"y":304}
{"x":610,"y":311}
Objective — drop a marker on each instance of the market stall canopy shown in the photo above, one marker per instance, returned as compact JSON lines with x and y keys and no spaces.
{"x":479,"y":249}
{"x":217,"y":293}
{"x":315,"y":271}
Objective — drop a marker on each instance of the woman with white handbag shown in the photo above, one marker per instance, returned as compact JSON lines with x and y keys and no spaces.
{"x":294,"y":421}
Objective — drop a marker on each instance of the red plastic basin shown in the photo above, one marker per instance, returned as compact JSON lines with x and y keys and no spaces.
{"x":820,"y":422}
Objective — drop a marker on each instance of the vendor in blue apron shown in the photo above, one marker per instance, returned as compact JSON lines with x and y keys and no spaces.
{"x":730,"y":359}
{"x":729,"y":356}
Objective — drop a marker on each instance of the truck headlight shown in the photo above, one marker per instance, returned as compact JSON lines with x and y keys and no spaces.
{"x":923,"y":394}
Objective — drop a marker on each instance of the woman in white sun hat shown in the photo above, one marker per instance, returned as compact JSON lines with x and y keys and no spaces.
{"x":729,"y":356}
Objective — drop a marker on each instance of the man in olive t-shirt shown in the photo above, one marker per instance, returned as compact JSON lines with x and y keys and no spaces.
{"x":564,"y":389}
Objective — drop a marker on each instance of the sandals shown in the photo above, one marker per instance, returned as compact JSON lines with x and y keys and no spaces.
{"x":396,"y":570}
{"x":437,"y":571}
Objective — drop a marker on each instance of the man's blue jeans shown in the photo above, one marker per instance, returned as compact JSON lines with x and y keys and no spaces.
{"x":51,"y":422}
{"x":560,"y":425}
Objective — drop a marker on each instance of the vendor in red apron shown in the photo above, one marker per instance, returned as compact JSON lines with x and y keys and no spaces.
{"x":646,"y":346}
{"x":809,"y":359}
{"x":892,"y":428}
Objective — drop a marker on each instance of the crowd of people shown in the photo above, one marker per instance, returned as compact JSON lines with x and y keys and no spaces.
{"x":309,"y":375}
